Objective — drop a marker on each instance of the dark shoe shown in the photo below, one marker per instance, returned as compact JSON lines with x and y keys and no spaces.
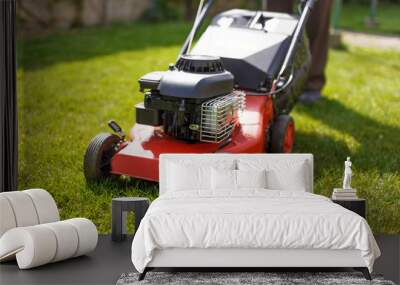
{"x":309,"y":97}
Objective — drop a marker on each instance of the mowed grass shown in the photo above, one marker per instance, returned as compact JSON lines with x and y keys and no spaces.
{"x":71,"y":84}
{"x":353,"y":17}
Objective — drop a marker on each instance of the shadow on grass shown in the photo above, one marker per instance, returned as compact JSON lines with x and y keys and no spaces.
{"x":377,"y":141}
{"x":86,"y":43}
{"x":341,"y":47}
{"x":327,"y":151}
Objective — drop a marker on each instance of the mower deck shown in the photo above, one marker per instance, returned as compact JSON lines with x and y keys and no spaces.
{"x":139,"y":156}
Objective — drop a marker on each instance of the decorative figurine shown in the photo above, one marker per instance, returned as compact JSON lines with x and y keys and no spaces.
{"x":347,"y":174}
{"x":345,"y":193}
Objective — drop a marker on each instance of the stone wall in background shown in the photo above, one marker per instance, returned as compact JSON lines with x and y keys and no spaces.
{"x":36,"y":16}
{"x":219,"y":6}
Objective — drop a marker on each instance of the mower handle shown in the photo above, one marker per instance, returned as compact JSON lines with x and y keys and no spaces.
{"x":197,"y":23}
{"x":307,"y":6}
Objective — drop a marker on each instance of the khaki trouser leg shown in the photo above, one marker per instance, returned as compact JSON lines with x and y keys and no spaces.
{"x":318,"y":34}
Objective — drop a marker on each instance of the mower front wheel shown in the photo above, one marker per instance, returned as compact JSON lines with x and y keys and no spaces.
{"x":97,"y":159}
{"x":282,"y":135}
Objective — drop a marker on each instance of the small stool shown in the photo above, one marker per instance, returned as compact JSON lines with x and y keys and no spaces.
{"x":120,"y":207}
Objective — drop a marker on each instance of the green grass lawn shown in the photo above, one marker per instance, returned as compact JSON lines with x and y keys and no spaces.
{"x":71,"y":84}
{"x":353,"y":18}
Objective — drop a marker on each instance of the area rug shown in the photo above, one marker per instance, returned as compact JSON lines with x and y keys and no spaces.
{"x":243,"y":278}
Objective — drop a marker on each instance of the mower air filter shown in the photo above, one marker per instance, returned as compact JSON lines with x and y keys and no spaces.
{"x":200,"y":64}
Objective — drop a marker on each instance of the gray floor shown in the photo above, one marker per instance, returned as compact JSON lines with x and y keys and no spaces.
{"x":104,"y":266}
{"x":389,"y":262}
{"x":110,"y":260}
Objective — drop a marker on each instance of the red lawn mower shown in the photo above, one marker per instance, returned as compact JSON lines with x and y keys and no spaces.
{"x":231,"y":93}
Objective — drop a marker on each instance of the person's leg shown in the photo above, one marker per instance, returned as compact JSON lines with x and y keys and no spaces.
{"x":318,"y":33}
{"x":283,"y":6}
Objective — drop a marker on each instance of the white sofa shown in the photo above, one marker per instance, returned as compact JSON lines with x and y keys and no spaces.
{"x":31,"y":231}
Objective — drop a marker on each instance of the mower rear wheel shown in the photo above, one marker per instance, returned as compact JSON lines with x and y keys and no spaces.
{"x":282,"y":135}
{"x":96,"y":163}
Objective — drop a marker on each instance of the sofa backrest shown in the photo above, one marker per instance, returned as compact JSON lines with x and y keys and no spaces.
{"x":166,"y":160}
{"x":26,"y":208}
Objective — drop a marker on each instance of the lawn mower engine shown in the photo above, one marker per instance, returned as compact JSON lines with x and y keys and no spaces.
{"x":193,"y":101}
